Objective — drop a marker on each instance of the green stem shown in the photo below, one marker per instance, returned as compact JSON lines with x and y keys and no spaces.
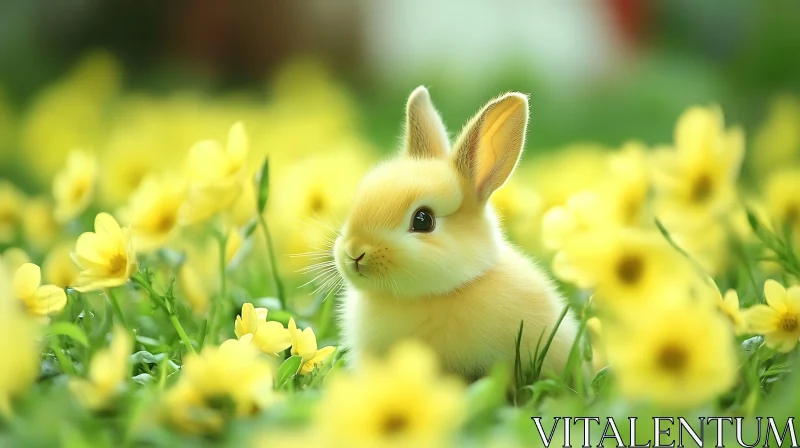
{"x":117,"y":309}
{"x":63,"y":360}
{"x":274,"y":264}
{"x":216,"y":304}
{"x":179,"y":328}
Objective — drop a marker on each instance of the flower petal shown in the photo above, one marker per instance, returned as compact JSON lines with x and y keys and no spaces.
{"x":775,"y":294}
{"x":781,"y":341}
{"x":50,"y":299}
{"x":26,"y":280}
{"x":106,"y":227}
{"x":761,"y":319}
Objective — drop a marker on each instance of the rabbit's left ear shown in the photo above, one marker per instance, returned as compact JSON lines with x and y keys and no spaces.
{"x":491,"y":144}
{"x":426,"y":137}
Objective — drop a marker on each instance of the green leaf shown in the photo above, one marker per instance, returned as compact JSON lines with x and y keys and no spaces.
{"x":600,"y":380}
{"x":752,"y":220}
{"x":289,"y":369}
{"x":70,"y":330}
{"x":262,"y":185}
{"x":143,"y":378}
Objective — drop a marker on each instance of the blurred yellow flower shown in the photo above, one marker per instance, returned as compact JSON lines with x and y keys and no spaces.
{"x":233,"y":243}
{"x":12,"y":259}
{"x":627,"y":189}
{"x":782,"y":194}
{"x":777,"y":142}
{"x":59,"y":268}
{"x":220,"y":383}
{"x":304,"y":344}
{"x":627,"y":267}
{"x":699,"y":176}
{"x":153,"y":211}
{"x":252,"y":327}
{"x":402,"y":401}
{"x":39,"y":223}
{"x":678,"y":353}
{"x":215,"y":175}
{"x":11,"y":201}
{"x":19,"y":346}
{"x":70,"y":113}
{"x":557,"y":175}
{"x":582,"y":212}
{"x":40,"y":300}
{"x":729,"y":306}
{"x":518,"y":206}
{"x":105,"y":256}
{"x":779,"y":319}
{"x":194,"y":288}
{"x":108,"y":373}
{"x":73,"y":187}
{"x":309,"y":199}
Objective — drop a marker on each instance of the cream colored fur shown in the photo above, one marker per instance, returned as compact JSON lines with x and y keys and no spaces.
{"x":460,"y":288}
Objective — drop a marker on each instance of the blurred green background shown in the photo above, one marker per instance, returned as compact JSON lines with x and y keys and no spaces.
{"x":597,"y":71}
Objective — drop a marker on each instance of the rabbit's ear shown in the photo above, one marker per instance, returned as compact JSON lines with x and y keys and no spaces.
{"x":491,"y":143}
{"x":426,"y":137}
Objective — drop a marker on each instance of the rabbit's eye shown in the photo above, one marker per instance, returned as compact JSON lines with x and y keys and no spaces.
{"x":423,"y":220}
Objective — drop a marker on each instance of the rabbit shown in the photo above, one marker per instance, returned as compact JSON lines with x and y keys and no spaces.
{"x":423,"y":255}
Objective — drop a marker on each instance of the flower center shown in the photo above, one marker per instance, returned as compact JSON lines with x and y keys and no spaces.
{"x":78,"y":190}
{"x":317,"y":203}
{"x":165,"y":222}
{"x":791,"y":214}
{"x":393,"y":424}
{"x":117,"y":263}
{"x":673,"y":359}
{"x":788,"y":322}
{"x":629,"y":269}
{"x":702,"y":188}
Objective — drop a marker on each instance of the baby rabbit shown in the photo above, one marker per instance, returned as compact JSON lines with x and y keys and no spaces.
{"x":424,"y":257}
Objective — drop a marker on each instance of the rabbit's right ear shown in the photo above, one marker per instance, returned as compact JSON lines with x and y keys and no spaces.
{"x":426,"y":137}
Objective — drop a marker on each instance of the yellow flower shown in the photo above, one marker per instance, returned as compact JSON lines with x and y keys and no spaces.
{"x":232,"y":245}
{"x":699,"y":176}
{"x":557,"y":175}
{"x":40,"y":300}
{"x":11,"y":201}
{"x":628,"y":187}
{"x":250,"y":319}
{"x":729,"y":306}
{"x":12,"y":259}
{"x":627,"y":267}
{"x":221,"y":382}
{"x":678,"y":353}
{"x":402,"y":401}
{"x":194,"y":289}
{"x":108,"y":373}
{"x":304,"y":344}
{"x":779,"y":319}
{"x":310,"y":198}
{"x":783,"y":200}
{"x":59,"y":268}
{"x":18,"y":344}
{"x":518,"y":206}
{"x":252,"y":327}
{"x":39,"y":223}
{"x":71,"y":113}
{"x":777,"y":142}
{"x":73,"y":187}
{"x":579,"y":215}
{"x":153,"y":211}
{"x":105,"y":256}
{"x":215,"y":175}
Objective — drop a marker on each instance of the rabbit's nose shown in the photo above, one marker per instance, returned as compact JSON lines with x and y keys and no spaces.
{"x":360,"y":257}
